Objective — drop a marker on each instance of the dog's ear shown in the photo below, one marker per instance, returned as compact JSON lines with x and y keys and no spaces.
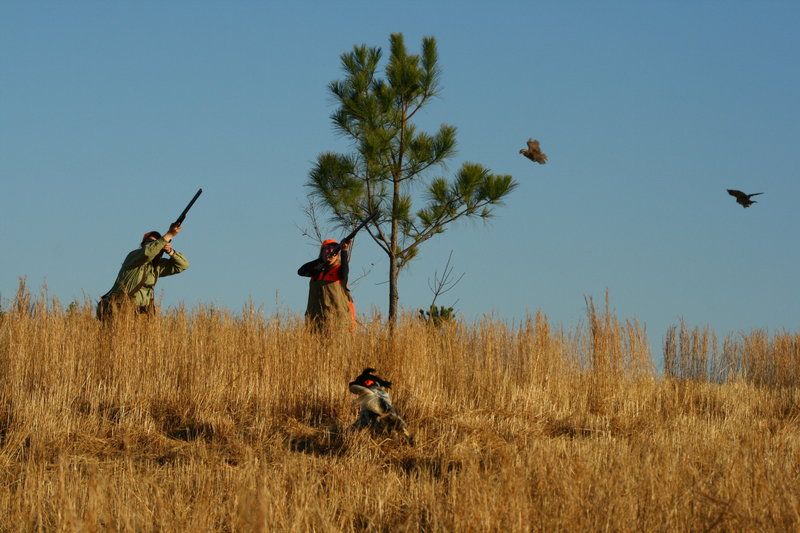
{"x":367,"y":374}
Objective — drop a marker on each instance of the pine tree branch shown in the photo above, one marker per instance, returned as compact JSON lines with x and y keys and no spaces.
{"x":442,"y":221}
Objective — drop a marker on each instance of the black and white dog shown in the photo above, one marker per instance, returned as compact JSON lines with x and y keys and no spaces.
{"x":377,"y":411}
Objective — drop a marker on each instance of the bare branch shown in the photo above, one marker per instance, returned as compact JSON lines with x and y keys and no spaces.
{"x":443,"y":284}
{"x":364,"y":273}
{"x":311,"y":211}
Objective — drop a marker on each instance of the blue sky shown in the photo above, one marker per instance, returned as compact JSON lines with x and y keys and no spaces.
{"x":113,"y":114}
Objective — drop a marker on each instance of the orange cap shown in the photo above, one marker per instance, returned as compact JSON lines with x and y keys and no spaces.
{"x":146,"y":236}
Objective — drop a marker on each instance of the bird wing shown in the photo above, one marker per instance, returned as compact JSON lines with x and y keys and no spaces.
{"x":754,"y":194}
{"x":533,"y":145}
{"x":738,"y":194}
{"x":368,"y":398}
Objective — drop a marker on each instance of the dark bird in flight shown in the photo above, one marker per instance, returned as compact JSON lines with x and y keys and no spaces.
{"x":742,"y":198}
{"x":534,"y":153}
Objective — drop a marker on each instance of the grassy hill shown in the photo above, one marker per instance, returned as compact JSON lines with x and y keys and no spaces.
{"x":203,"y":420}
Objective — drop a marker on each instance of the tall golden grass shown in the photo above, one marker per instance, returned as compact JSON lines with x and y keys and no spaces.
{"x":204,"y":420}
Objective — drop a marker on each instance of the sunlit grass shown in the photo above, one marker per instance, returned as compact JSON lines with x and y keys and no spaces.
{"x":206,"y":420}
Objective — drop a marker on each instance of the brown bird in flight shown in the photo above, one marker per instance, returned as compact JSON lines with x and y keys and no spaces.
{"x":742,"y":198}
{"x":534,"y":153}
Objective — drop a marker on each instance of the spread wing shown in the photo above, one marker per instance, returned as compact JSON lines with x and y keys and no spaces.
{"x":534,"y":152}
{"x":374,"y":400}
{"x":738,"y":194}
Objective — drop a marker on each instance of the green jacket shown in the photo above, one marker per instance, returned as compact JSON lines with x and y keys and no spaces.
{"x":138,"y":266}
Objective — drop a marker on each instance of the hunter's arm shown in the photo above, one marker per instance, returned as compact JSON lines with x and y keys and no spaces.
{"x":144,"y":254}
{"x":311,"y":268}
{"x":175,"y":264}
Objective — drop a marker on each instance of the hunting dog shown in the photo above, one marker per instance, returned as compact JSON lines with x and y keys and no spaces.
{"x":377,"y":411}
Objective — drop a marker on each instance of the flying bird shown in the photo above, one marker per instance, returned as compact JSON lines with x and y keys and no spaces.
{"x":742,"y":198}
{"x":534,"y":153}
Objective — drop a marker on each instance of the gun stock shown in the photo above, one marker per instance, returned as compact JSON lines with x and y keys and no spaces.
{"x":182,"y":216}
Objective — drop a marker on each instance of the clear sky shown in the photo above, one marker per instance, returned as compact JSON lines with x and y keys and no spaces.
{"x":112,"y":114}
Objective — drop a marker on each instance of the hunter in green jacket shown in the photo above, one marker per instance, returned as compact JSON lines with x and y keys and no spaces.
{"x":140,"y":272}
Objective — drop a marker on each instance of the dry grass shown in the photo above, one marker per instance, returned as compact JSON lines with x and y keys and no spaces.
{"x":204,"y":421}
{"x":753,"y":357}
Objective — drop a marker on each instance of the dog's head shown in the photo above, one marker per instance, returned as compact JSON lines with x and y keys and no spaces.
{"x":367,"y":378}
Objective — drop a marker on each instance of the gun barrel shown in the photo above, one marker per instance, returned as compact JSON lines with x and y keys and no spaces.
{"x":353,"y":233}
{"x":183,"y":214}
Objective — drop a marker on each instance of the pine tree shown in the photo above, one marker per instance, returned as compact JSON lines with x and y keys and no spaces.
{"x":392,"y":159}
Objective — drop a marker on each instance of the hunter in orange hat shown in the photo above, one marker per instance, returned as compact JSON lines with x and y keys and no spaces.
{"x":329,"y":300}
{"x":139,"y":273}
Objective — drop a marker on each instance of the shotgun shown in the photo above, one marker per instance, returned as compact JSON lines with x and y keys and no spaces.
{"x":353,"y":233}
{"x":183,"y":214}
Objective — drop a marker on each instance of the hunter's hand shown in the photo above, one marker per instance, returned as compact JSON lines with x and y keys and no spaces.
{"x":168,"y":249}
{"x":173,"y":232}
{"x":345,"y":245}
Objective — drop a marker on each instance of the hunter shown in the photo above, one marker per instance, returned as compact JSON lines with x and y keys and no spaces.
{"x":140,"y":272}
{"x":329,"y":300}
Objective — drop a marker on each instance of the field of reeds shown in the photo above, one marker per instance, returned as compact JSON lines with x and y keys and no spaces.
{"x":207,"y":420}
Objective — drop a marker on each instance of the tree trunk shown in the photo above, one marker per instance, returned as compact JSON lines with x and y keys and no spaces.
{"x":393,"y":259}
{"x":393,"y":294}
